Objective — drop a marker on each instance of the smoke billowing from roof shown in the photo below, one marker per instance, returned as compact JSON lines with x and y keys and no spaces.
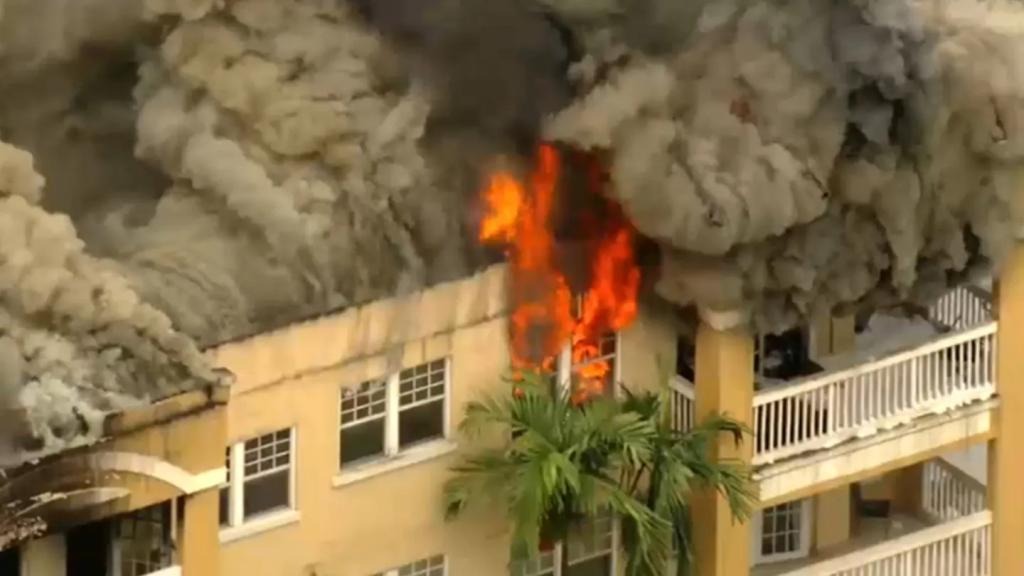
{"x":214,"y":168}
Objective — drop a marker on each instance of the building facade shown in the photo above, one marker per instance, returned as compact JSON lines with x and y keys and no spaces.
{"x":141,"y":502}
{"x":347,"y":424}
{"x":328,"y":453}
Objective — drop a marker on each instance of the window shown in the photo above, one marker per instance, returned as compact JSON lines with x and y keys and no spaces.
{"x":433,"y":566}
{"x":608,"y":348}
{"x":591,"y":552}
{"x":380,"y":418}
{"x":260,"y":478}
{"x":142,"y":541}
{"x":782,"y":532}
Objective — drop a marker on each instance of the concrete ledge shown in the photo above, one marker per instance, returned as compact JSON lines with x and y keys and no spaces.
{"x":166,"y":410}
{"x":852,"y":461}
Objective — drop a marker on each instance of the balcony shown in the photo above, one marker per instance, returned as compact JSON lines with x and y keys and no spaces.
{"x":854,"y":416}
{"x":951,"y":535}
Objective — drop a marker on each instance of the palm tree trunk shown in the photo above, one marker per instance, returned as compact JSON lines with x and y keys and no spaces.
{"x":564,"y":546}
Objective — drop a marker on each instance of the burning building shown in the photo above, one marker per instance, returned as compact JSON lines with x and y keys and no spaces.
{"x":180,"y":175}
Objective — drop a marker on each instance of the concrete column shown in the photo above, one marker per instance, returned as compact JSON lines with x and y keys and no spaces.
{"x":833,"y":518}
{"x":833,"y":510}
{"x":45,"y":557}
{"x":198,"y":533}
{"x":1006,"y":467}
{"x":725,"y":385}
{"x":906,"y":485}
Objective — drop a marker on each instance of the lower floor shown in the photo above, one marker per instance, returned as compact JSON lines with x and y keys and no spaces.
{"x":139,"y":543}
{"x":929,"y":518}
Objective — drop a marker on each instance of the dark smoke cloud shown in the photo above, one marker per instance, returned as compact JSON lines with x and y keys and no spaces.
{"x":214,"y":169}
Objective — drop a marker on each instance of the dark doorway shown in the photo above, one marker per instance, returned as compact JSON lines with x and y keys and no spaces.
{"x":10,"y":562}
{"x":88,"y":549}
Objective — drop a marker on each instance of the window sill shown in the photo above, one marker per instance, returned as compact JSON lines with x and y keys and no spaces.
{"x":259,"y":525}
{"x":428,"y":451}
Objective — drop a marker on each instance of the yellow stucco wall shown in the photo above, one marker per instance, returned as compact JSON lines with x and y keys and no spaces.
{"x":292,"y":377}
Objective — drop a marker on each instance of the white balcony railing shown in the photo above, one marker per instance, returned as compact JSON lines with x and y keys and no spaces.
{"x":964,"y":307}
{"x":949,"y":493}
{"x":827,"y":409}
{"x":683,"y":404}
{"x":959,"y":547}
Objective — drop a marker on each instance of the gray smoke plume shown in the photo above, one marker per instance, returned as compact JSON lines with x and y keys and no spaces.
{"x":216,"y":168}
{"x":790,"y":156}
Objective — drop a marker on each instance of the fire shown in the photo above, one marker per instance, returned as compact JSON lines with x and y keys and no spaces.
{"x":543,"y":319}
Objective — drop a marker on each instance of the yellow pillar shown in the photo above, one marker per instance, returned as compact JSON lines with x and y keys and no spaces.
{"x":725,"y":385}
{"x":1006,"y":467}
{"x":906,"y":486}
{"x":199,"y":547}
{"x":833,"y":513}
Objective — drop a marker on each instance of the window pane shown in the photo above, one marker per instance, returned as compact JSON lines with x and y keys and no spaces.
{"x":143,"y":541}
{"x":225,"y":503}
{"x":422,"y":382}
{"x":266,"y":493}
{"x":361,"y":441}
{"x":420,"y":423}
{"x":264,"y":453}
{"x":599,"y":566}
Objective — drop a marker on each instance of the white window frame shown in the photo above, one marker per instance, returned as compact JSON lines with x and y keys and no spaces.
{"x":802,"y":551}
{"x":565,"y":365}
{"x":238,"y":526}
{"x":396,"y":570}
{"x":557,"y":551}
{"x":392,"y":416}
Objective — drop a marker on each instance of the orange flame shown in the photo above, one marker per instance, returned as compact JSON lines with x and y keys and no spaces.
{"x":542,"y":318}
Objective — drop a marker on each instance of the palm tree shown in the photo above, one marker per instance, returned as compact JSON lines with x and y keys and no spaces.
{"x":678,"y":464}
{"x":558,"y":463}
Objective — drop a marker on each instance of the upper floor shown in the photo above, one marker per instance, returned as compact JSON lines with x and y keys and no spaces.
{"x":842,"y":399}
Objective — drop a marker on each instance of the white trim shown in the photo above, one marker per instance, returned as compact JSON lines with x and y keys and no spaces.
{"x":236,"y":490}
{"x":260,"y":524}
{"x":447,"y":408}
{"x":170,"y":571}
{"x":394,"y":571}
{"x":391,"y":411}
{"x":293,"y":451}
{"x":804,"y":548}
{"x":415,"y":455}
{"x":183,"y":480}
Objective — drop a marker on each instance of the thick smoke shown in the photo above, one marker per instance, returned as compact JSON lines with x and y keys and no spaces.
{"x":75,"y":340}
{"x":798,"y":155}
{"x":219,"y":167}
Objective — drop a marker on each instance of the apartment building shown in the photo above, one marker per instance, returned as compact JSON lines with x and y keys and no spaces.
{"x":330,"y":456}
{"x":141,"y":502}
{"x":341,"y":431}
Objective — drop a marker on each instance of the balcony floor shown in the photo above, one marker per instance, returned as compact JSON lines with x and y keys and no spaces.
{"x":871,"y":531}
